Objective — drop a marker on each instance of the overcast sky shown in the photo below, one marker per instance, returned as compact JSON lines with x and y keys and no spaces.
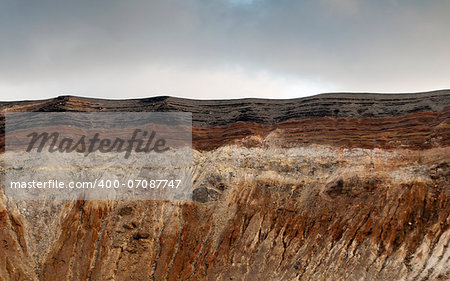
{"x":212,"y":49}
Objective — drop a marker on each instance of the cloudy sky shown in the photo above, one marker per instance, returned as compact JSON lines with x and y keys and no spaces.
{"x":212,"y":49}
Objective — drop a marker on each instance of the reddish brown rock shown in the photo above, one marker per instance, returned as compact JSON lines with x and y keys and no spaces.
{"x":332,"y":187}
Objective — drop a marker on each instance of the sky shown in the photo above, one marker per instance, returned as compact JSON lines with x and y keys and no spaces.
{"x":221,"y":49}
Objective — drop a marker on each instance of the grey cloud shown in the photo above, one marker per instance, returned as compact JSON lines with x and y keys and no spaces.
{"x":372,"y":45}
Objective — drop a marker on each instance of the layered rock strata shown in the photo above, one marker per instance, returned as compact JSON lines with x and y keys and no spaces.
{"x":329,"y":187}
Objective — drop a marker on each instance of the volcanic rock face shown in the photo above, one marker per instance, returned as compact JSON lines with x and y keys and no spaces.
{"x":331,"y":187}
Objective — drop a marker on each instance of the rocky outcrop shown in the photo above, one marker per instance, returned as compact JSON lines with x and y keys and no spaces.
{"x":330,"y":187}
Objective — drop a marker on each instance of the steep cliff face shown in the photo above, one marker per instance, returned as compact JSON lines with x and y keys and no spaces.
{"x":331,"y":187}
